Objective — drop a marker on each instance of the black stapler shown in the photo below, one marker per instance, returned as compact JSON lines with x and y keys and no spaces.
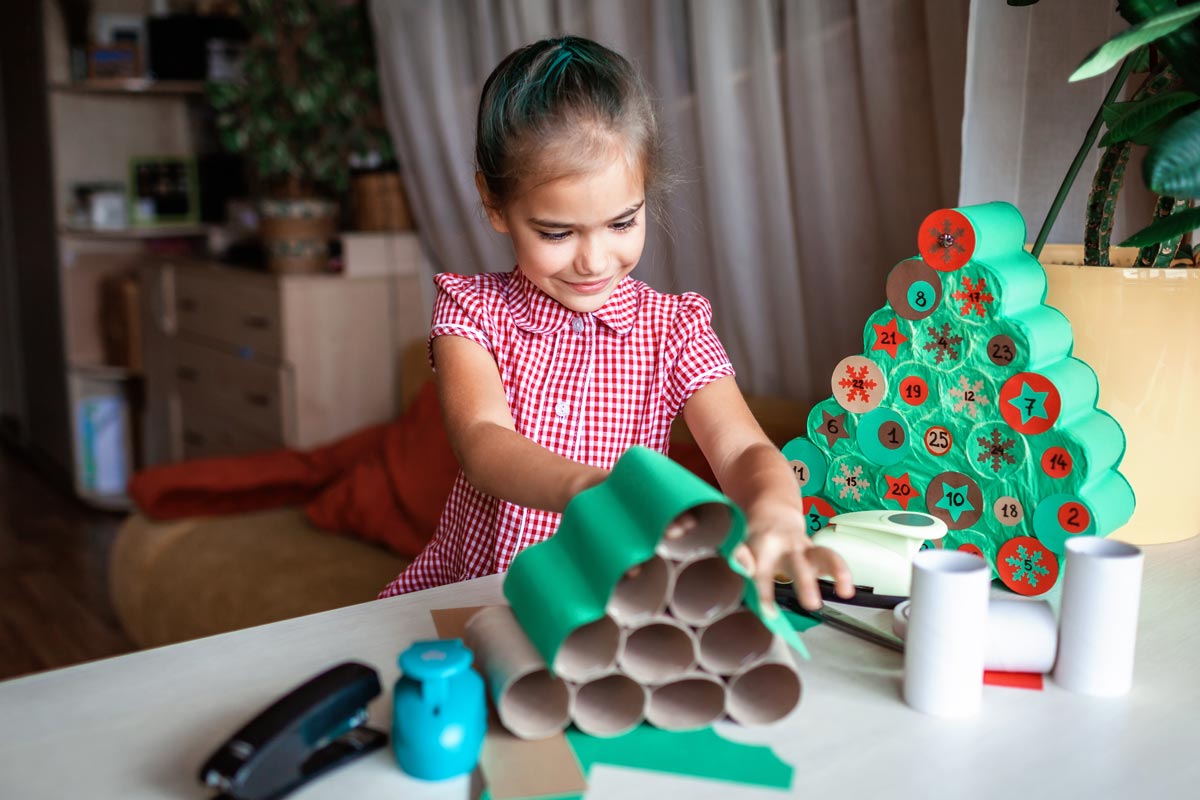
{"x":316,"y":727}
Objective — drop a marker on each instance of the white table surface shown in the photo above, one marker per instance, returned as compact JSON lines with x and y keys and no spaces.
{"x":140,"y":725}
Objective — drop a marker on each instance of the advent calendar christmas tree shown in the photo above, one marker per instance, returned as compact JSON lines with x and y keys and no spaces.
{"x":967,"y":404}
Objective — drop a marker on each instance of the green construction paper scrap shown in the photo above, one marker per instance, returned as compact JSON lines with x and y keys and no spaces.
{"x":800,"y":622}
{"x":699,"y":754}
{"x":565,"y":582}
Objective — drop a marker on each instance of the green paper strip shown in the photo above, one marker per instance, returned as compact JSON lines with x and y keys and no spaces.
{"x":1016,"y":279}
{"x":563,"y":583}
{"x":1111,"y":500}
{"x":799,"y":622}
{"x":1044,"y":335}
{"x":999,"y":230}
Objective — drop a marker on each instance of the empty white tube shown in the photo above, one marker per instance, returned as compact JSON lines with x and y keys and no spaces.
{"x":704,"y":589}
{"x":689,"y":702}
{"x":588,"y":651}
{"x":530,"y":702}
{"x":609,"y":705}
{"x":733,"y":642}
{"x":943,"y":657}
{"x":698,"y":531}
{"x":1102,"y":588}
{"x":657,"y":650}
{"x":1022,"y":635}
{"x":642,"y":592}
{"x":767,"y":690}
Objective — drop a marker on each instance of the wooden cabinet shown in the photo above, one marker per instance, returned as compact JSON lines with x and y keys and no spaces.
{"x":238,"y":361}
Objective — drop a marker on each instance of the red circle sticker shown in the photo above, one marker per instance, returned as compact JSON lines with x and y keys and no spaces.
{"x":1029,"y":403}
{"x":914,"y":390}
{"x":1074,"y":517}
{"x":938,"y":440}
{"x":818,"y":512}
{"x":1026,"y":566}
{"x":973,"y":549}
{"x":946,"y":240}
{"x":1057,"y":462}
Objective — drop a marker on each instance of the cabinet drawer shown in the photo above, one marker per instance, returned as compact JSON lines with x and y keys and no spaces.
{"x":206,"y":434}
{"x":242,"y":311}
{"x":255,"y":396}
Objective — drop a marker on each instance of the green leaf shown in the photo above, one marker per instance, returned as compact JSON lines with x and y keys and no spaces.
{"x":1165,"y":228}
{"x":1141,"y":60}
{"x":1127,"y":120}
{"x":1109,"y":54}
{"x":1172,"y":167}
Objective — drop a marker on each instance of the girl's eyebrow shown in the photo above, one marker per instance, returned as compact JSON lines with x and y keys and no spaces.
{"x":546,"y":223}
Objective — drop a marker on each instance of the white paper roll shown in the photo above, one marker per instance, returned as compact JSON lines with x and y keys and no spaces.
{"x":686,"y":703}
{"x":696,"y":531}
{"x":608,"y":706}
{"x":767,"y":690}
{"x":704,"y":589}
{"x":531,"y":703}
{"x":943,"y":657}
{"x":1022,"y":635}
{"x":1102,"y":587}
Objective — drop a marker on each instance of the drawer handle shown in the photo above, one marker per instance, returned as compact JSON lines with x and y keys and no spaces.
{"x":194,"y":439}
{"x":187,"y":374}
{"x":258,"y":399}
{"x":187,"y":304}
{"x":256,"y":322}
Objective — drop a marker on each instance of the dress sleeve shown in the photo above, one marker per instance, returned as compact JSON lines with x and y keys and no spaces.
{"x":701,"y":356}
{"x":460,"y":310}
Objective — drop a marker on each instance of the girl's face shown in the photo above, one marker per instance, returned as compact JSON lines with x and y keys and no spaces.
{"x":576,"y":237}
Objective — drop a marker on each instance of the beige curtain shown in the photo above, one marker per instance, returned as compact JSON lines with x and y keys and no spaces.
{"x":814,"y":134}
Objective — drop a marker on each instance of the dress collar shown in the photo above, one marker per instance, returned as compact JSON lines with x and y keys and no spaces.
{"x":535,"y":311}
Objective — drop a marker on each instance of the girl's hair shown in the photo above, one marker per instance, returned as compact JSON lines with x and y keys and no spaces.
{"x":561,"y":107}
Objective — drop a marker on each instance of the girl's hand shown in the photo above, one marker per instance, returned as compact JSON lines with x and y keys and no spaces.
{"x":777,"y":542}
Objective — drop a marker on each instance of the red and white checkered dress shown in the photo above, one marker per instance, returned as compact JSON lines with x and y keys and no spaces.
{"x":586,"y":386}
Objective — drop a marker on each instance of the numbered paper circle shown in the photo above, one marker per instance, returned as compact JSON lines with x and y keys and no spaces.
{"x":808,"y":463}
{"x":913,"y":289}
{"x":1002,"y":350}
{"x":955,"y":499}
{"x":1029,"y":403}
{"x":914,"y":390}
{"x":973,"y":542}
{"x":1057,"y":462}
{"x":858,"y":384}
{"x":1061,"y":516}
{"x":1026,"y":566}
{"x":1008,"y":511}
{"x":817,"y":513}
{"x":883,"y":436}
{"x":946,"y":240}
{"x":938,"y":440}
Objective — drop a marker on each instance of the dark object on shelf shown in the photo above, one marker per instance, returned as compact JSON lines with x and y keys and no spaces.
{"x":163,"y":189}
{"x":179,"y":44}
{"x":222,"y":178}
{"x":121,"y":60}
{"x":316,"y":727}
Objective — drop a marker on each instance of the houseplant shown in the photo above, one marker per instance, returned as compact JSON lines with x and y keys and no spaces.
{"x":308,"y":100}
{"x":1136,"y":326}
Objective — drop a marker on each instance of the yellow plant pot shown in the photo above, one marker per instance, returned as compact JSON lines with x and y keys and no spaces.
{"x":1139,"y":329}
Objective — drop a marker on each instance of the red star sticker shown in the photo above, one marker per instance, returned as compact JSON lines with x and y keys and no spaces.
{"x":888,"y":338}
{"x":901,"y":490}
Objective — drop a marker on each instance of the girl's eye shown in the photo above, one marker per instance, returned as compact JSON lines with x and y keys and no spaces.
{"x":628,"y":224}
{"x":554,"y":237}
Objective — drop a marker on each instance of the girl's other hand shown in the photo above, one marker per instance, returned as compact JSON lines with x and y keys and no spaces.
{"x":777,"y":542}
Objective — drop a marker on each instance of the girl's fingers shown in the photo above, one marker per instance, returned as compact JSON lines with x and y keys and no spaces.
{"x":806,"y":574}
{"x":828,"y":562}
{"x":681,"y":525}
{"x":743,"y":556}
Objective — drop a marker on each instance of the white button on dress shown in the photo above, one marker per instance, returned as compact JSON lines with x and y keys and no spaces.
{"x":562,"y":409}
{"x":577,"y":324}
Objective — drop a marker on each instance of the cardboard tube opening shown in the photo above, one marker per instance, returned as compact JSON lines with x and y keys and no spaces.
{"x":608,"y":706}
{"x":658,"y":650}
{"x":642,"y":593}
{"x":699,"y":530}
{"x":764,"y":693}
{"x":692,"y":702}
{"x":705,"y":589}
{"x":535,"y":706}
{"x":733,"y":642}
{"x":589,"y":650}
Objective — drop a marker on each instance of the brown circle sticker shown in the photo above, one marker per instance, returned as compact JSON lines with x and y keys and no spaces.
{"x":955,"y":499}
{"x":858,"y":384}
{"x":891,"y":435}
{"x":1008,"y":511}
{"x":1002,"y":350}
{"x":914,"y":289}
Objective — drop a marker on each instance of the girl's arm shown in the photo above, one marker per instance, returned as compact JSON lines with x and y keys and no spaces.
{"x":496,"y":459}
{"x":755,"y":475}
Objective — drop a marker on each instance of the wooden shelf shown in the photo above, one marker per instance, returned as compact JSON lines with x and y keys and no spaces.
{"x":107,"y":372}
{"x":135,"y":86}
{"x":144,"y":232}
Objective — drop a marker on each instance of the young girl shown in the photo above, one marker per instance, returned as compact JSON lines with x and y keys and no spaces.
{"x":548,"y":373}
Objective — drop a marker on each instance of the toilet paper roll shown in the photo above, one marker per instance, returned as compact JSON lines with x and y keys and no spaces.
{"x":699,"y":530}
{"x":531,"y":703}
{"x":704,"y":589}
{"x":943,"y":656}
{"x":689,"y":702}
{"x":589,"y":650}
{"x":657,"y":650}
{"x":608,"y":705}
{"x":766,"y":690}
{"x":1102,"y":586}
{"x":733,"y":642}
{"x":1022,"y":635}
{"x":641,"y":593}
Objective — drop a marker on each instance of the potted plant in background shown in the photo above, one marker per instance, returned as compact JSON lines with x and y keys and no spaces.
{"x":307,"y":103}
{"x":1138,"y":325}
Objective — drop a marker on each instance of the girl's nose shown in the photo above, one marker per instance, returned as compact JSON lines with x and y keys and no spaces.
{"x":589,"y":258}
